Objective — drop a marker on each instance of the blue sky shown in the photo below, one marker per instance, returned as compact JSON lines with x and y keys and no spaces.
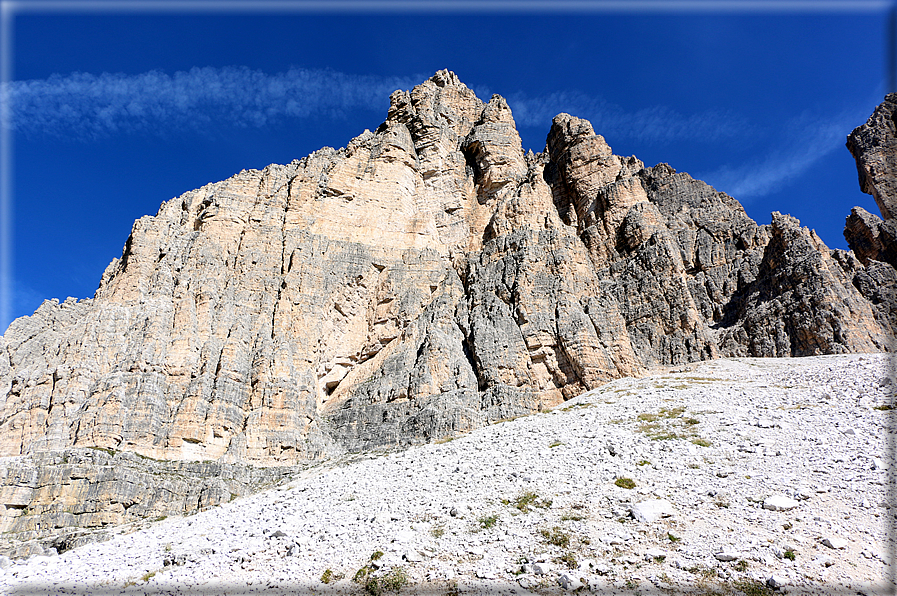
{"x":117,"y":107}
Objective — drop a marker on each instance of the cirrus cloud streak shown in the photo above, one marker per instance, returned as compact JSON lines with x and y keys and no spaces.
{"x":85,"y":105}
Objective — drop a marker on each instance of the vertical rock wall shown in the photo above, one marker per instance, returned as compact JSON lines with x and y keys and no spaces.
{"x":426,"y":279}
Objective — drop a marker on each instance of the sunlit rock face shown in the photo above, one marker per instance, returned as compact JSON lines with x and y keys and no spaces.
{"x":426,"y":279}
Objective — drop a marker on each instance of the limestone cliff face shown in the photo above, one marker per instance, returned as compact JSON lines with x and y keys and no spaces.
{"x":874,"y":146}
{"x":426,"y":279}
{"x":871,"y":238}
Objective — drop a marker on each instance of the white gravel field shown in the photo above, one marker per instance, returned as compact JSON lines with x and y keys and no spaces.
{"x":751,"y":476}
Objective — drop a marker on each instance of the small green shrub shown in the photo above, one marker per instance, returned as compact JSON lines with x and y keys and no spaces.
{"x":487,"y":521}
{"x":752,"y":588}
{"x":568,"y":559}
{"x":673,"y":538}
{"x":361,"y":576}
{"x":365,"y":575}
{"x":395,"y":579}
{"x":556,"y":536}
{"x":579,"y":405}
{"x":528,"y":499}
{"x":705,"y":572}
{"x":741,"y":565}
{"x":625,"y":482}
{"x":701,"y":442}
{"x":391,"y":582}
{"x":789,"y":554}
{"x":453,"y":589}
{"x":644,"y":462}
{"x":524,"y":500}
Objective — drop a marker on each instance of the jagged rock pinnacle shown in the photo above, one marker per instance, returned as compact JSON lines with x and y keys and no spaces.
{"x":426,"y":279}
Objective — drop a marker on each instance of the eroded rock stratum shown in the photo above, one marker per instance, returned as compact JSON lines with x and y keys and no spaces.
{"x":426,"y":279}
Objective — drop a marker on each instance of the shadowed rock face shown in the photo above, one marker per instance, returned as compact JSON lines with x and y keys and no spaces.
{"x":426,"y":279}
{"x":872,"y":239}
{"x":874,"y":146}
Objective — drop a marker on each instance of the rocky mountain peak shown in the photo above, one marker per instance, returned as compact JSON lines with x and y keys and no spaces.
{"x":426,"y":279}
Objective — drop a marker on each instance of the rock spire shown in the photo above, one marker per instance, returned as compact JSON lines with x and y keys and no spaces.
{"x":425,"y":279}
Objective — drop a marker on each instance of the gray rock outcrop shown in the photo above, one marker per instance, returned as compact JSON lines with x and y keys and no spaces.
{"x":871,"y":238}
{"x":426,"y":279}
{"x":874,"y":146}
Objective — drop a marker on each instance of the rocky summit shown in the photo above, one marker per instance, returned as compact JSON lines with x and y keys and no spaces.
{"x":427,"y":279}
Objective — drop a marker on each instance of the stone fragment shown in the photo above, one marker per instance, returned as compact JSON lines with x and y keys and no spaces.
{"x":835,"y":542}
{"x":779,"y":503}
{"x":652,"y":510}
{"x":776,"y":582}
{"x":726,"y":555}
{"x":541,"y":568}
{"x":870,"y":238}
{"x":569,"y":582}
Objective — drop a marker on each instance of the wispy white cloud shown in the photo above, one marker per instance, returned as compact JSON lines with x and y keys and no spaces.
{"x":91,"y":105}
{"x":800,"y":145}
{"x":658,"y":124}
{"x":85,"y":105}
